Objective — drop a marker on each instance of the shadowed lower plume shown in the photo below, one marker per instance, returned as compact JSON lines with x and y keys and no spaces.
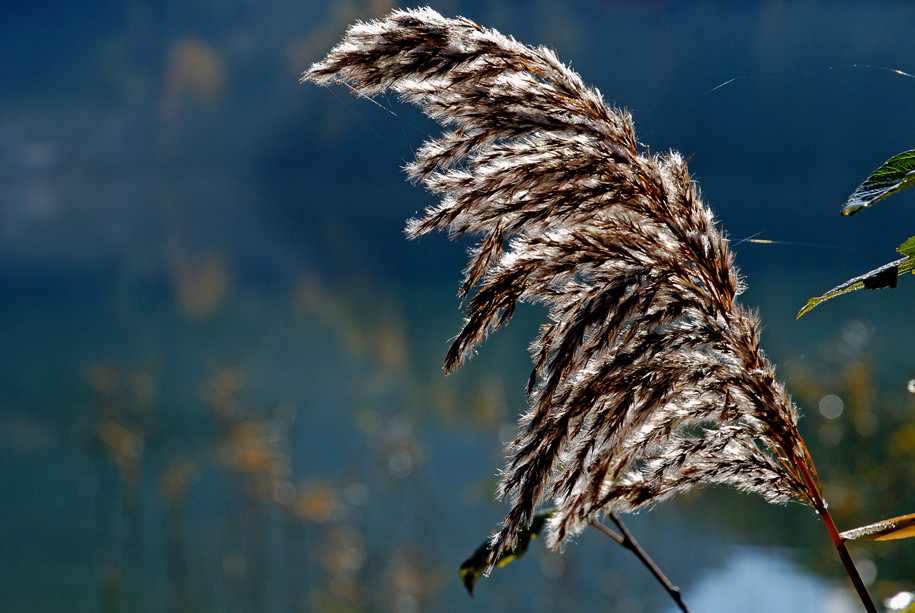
{"x":648,"y":377}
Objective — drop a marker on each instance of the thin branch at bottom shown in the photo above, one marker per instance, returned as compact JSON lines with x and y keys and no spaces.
{"x":628,"y":541}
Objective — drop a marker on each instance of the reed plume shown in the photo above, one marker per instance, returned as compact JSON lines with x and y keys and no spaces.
{"x":648,"y":378}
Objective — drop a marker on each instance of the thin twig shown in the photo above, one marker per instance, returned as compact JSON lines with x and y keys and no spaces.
{"x":628,"y":541}
{"x":616,"y":537}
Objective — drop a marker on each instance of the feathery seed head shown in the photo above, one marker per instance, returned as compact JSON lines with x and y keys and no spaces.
{"x":648,"y":378}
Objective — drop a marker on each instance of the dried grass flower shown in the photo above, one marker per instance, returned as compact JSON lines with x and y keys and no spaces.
{"x":648,"y":378}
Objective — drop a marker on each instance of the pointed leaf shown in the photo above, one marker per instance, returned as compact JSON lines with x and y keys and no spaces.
{"x":888,"y":529}
{"x":476,"y":565}
{"x":907,"y":248}
{"x":896,"y":174}
{"x":885,"y":276}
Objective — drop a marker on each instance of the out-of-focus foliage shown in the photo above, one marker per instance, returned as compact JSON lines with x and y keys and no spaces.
{"x":903,"y":602}
{"x":862,"y":428}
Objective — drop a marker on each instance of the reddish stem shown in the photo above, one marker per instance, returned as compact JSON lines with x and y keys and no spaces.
{"x":820,"y":505}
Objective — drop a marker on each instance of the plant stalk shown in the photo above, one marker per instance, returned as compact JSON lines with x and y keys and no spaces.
{"x":628,"y":541}
{"x":844,"y":555}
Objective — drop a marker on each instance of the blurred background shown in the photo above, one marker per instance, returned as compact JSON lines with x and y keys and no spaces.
{"x":220,"y":381}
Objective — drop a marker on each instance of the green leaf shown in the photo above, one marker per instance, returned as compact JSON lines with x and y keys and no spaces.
{"x":476,"y":565}
{"x":896,"y":174}
{"x":888,"y":529}
{"x":885,"y":276}
{"x":907,"y":248}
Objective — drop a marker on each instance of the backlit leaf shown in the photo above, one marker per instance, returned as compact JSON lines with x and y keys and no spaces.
{"x":885,"y":276}
{"x":475,"y":566}
{"x":888,"y":529}
{"x":896,"y":174}
{"x":907,"y":248}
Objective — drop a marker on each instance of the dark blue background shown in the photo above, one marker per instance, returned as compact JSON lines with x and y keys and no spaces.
{"x":179,"y":217}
